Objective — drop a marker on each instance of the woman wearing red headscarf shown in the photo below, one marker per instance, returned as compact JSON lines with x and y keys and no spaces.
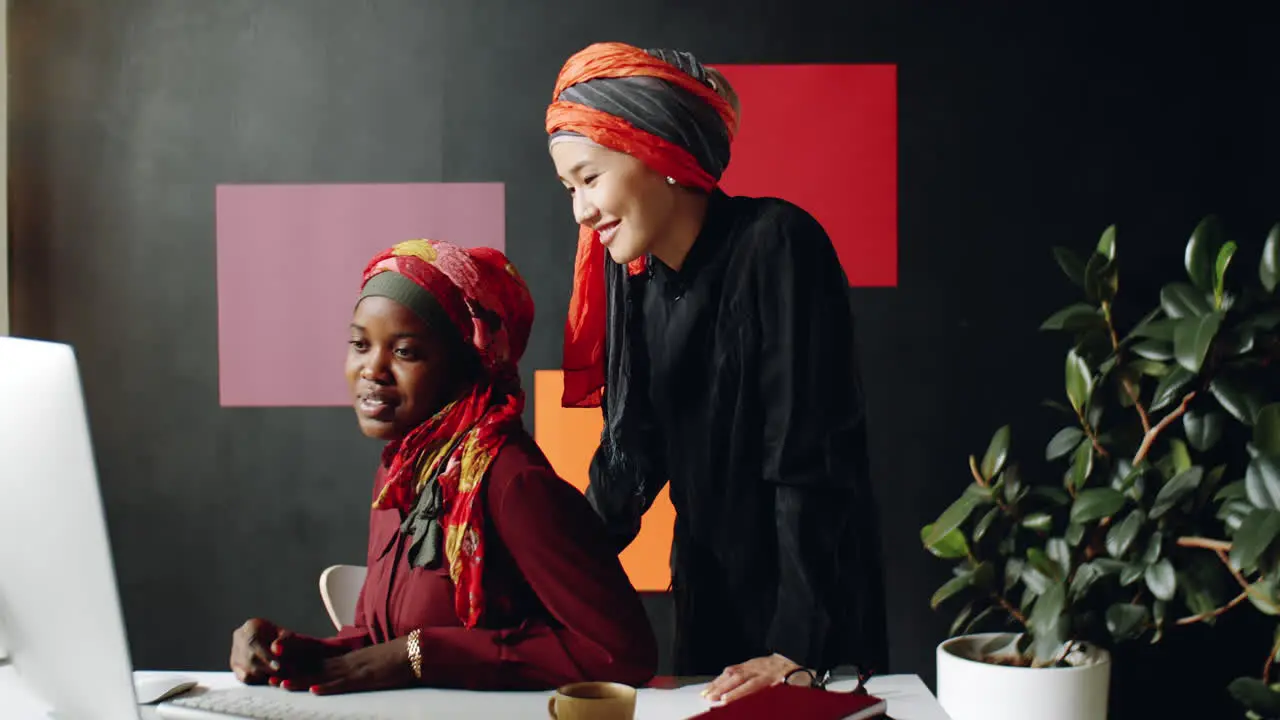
{"x":715,"y":332}
{"x":485,"y":569}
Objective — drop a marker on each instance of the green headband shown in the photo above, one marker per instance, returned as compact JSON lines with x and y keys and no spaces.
{"x":394,"y":286}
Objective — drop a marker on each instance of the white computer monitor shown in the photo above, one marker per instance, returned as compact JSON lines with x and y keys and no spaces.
{"x":60,"y":620}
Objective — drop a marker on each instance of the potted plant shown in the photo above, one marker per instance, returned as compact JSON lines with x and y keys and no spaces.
{"x":1067,"y":565}
{"x":1249,"y":507}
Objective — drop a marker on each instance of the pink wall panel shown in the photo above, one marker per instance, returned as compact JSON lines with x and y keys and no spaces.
{"x":289,"y":263}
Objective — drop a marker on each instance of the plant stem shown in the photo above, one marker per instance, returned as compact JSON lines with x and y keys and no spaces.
{"x":1203,"y":543}
{"x":1066,"y":650}
{"x":1266,"y":668}
{"x":1193,"y":619}
{"x":1097,"y":446}
{"x":1219,"y":547}
{"x":1137,"y":404}
{"x":1009,"y":608}
{"x":1111,"y":328}
{"x":1149,"y":440}
{"x":977,"y":475}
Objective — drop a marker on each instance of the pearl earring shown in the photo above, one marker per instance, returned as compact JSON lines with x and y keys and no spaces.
{"x":671,"y":180}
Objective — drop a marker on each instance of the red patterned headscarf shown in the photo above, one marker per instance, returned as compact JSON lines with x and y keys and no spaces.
{"x":487,"y":301}
{"x":607,"y":93}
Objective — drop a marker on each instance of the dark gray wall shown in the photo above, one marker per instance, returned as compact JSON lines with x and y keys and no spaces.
{"x":1020,"y":128}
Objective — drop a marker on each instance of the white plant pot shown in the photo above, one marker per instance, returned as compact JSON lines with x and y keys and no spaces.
{"x":972,"y":690}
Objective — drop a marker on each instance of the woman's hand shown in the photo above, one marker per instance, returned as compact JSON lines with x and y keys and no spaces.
{"x":252,"y":659}
{"x":377,"y":667}
{"x":745,"y":678}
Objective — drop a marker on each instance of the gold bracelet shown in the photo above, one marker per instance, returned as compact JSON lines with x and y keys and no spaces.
{"x":415,"y":653}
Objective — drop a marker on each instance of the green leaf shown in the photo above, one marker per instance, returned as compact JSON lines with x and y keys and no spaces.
{"x":1161,"y":579}
{"x":1096,"y":503}
{"x":1179,"y":455}
{"x":1175,"y":490}
{"x":951,"y":546}
{"x":1263,"y":598}
{"x":1233,"y":512}
{"x":1170,"y":387}
{"x":997,"y":452}
{"x":1058,"y":551}
{"x":1149,"y":367}
{"x":1040,"y":522}
{"x":1255,"y":535}
{"x":1231,"y":491}
{"x":1192,"y":338}
{"x":1156,"y":329}
{"x":1255,"y":696}
{"x":961,"y":618}
{"x":1101,"y":279}
{"x":1078,"y":317}
{"x":1085,"y":577}
{"x":1237,"y":341}
{"x":1124,"y":475}
{"x":1125,"y":621}
{"x":1071,"y":264}
{"x":1057,"y":496}
{"x":951,"y":518}
{"x":984,"y":575}
{"x":1154,"y":350}
{"x":1074,"y":534}
{"x":1107,"y":243}
{"x":950,"y":588}
{"x":1081,"y":465}
{"x":1269,"y":267}
{"x":1013,"y":572}
{"x":1266,"y":430}
{"x":1210,"y":484}
{"x":1201,"y":250}
{"x":973,"y":624}
{"x":1200,"y":581}
{"x":1180,"y":300}
{"x":980,"y":530}
{"x":1204,"y":429}
{"x":1029,"y":595}
{"x":1154,"y":545}
{"x":1235,"y":399}
{"x":1108,"y":566}
{"x":1079,"y":381}
{"x":1012,"y":484}
{"x":1063,"y":443}
{"x":1047,"y":609}
{"x":1121,"y":535}
{"x":1043,"y":564}
{"x":1220,"y":272}
{"x":1262,"y":482}
{"x":1131,"y":573}
{"x":1158,"y":609}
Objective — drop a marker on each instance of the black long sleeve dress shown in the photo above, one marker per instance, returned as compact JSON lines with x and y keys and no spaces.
{"x":736,"y":380}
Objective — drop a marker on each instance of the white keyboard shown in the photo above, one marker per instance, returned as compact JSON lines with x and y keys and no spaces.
{"x":245,"y":704}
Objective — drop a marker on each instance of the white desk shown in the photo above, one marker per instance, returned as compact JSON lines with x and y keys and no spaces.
{"x":907,"y":696}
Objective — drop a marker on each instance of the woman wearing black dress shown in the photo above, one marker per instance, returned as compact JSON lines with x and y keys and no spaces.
{"x":716,"y":334}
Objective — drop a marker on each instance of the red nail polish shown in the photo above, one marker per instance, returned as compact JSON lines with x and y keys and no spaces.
{"x":315,"y":689}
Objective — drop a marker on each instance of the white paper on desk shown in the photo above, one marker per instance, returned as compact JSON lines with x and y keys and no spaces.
{"x":671,"y":704}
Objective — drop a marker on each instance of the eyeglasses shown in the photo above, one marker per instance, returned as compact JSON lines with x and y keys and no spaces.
{"x":820,"y":681}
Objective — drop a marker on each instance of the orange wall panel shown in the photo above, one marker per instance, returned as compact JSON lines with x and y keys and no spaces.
{"x":569,"y":437}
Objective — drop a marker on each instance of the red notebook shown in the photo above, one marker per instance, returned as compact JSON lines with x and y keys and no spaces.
{"x":796,"y":701}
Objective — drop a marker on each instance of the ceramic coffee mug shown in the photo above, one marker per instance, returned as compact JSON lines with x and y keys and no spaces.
{"x":593,"y":701}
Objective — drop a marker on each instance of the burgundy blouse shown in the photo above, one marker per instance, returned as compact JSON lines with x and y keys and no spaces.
{"x":572,"y":613}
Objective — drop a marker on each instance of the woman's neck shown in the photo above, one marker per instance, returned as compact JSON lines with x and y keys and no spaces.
{"x":686,"y":223}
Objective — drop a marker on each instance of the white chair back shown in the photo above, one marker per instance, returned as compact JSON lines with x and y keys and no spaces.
{"x":340,"y":589}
